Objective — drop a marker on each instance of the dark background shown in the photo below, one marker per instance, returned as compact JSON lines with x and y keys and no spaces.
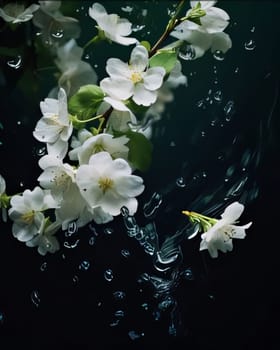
{"x":232,"y":302}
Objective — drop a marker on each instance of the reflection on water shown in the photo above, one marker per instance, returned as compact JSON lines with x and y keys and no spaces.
{"x":208,"y":149}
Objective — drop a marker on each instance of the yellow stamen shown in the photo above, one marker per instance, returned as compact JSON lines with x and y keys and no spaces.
{"x":105,"y":183}
{"x":136,"y":77}
{"x":28,"y":217}
{"x":186,"y":212}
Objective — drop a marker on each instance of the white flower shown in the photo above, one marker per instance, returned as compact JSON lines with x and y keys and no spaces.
{"x":115,"y":28}
{"x":220,"y":235}
{"x":54,"y":127}
{"x":74,"y":72}
{"x":56,"y":177}
{"x":215,"y":21}
{"x":45,"y":239}
{"x":3,"y":197}
{"x":134,"y":79}
{"x":54,"y":27}
{"x":102,"y":142}
{"x":108,"y":184}
{"x":26,"y":212}
{"x":16,"y":13}
{"x":208,"y":35}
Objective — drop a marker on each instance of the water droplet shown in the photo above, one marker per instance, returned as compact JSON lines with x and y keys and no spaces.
{"x":91,"y":241}
{"x":166,"y":303}
{"x":201,"y":104}
{"x":15,"y":63}
{"x":125,"y":253}
{"x":87,"y":57}
{"x":127,"y":9}
{"x":187,"y":53}
{"x":93,"y":229}
{"x":2,"y":318}
{"x":58,"y":33}
{"x":172,"y":144}
{"x":229,"y":110}
{"x":21,"y":184}
{"x":71,"y":229}
{"x":35,"y":298}
{"x":236,"y":70}
{"x":137,"y":27}
{"x":211,"y":297}
{"x":119,"y":295}
{"x":187,"y":274}
{"x":250,"y":45}
{"x":124,"y":211}
{"x":19,"y":122}
{"x":40,"y":151}
{"x":218,"y":96}
{"x":71,"y":246}
{"x":145,"y":306}
{"x":84,"y":265}
{"x":114,"y":323}
{"x":203,"y":133}
{"x":253,"y":29}
{"x":108,"y":230}
{"x":180,"y":182}
{"x":119,"y":313}
{"x":75,"y":279}
{"x":156,"y":315}
{"x":43,"y":267}
{"x":133,"y":335}
{"x":108,"y":275}
{"x":219,"y":55}
{"x":151,"y":207}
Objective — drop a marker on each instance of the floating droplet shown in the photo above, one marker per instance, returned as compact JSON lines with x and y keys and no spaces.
{"x":127,"y":9}
{"x":145,"y":306}
{"x":71,"y":229}
{"x":134,"y":335}
{"x":229,"y":110}
{"x":75,"y":279}
{"x":93,"y":229}
{"x":201,"y":104}
{"x":156,"y":315}
{"x":253,"y":29}
{"x":137,"y":27}
{"x":108,"y":275}
{"x":35,"y":298}
{"x":40,"y":151}
{"x":84,"y":265}
{"x":180,"y":182}
{"x":187,"y":53}
{"x":219,"y":55}
{"x":236,"y":70}
{"x":119,"y":295}
{"x":218,"y":96}
{"x":114,"y":323}
{"x":108,"y":230}
{"x":43,"y":267}
{"x":250,"y":45}
{"x":125,"y":253}
{"x":15,"y":63}
{"x":71,"y":246}
{"x":119,"y":313}
{"x":91,"y":240}
{"x":187,"y":274}
{"x":150,"y":208}
{"x":124,"y":211}
{"x":58,"y":33}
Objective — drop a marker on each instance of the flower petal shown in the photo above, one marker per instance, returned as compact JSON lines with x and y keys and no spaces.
{"x":119,"y":88}
{"x":139,"y":58}
{"x":129,"y":186}
{"x":143,"y":96}
{"x":233,"y":212}
{"x":117,"y":68}
{"x":153,"y":78}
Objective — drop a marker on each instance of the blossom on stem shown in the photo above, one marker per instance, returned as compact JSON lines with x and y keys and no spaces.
{"x":4,"y":199}
{"x":55,"y":127}
{"x":26,"y":212}
{"x":17,"y":13}
{"x":114,"y":28}
{"x":206,"y":35}
{"x":220,"y":235}
{"x":133,"y":79}
{"x":108,"y":184}
{"x":116,"y":147}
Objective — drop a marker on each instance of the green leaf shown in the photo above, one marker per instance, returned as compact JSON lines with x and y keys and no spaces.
{"x":86,"y":101}
{"x":135,"y":108}
{"x":140,"y":149}
{"x":166,"y":59}
{"x":146,"y":44}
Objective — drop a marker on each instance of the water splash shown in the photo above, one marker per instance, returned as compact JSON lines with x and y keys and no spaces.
{"x":150,"y":208}
{"x":71,"y":246}
{"x":71,"y":229}
{"x":15,"y":63}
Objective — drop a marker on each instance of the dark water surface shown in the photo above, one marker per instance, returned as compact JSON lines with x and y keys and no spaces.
{"x":218,"y":140}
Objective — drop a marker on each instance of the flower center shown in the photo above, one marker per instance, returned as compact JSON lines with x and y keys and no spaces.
{"x":105,"y":183}
{"x":136,"y":77}
{"x":28,"y":217}
{"x":98,"y":148}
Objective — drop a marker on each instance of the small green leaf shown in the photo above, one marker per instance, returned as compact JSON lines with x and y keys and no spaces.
{"x":86,"y":101}
{"x":166,"y":59}
{"x":135,"y":108}
{"x":146,"y":44}
{"x":140,"y":149}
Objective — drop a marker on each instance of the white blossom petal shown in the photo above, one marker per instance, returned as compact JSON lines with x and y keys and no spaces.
{"x":153,"y":78}
{"x":119,"y":88}
{"x":143,"y":96}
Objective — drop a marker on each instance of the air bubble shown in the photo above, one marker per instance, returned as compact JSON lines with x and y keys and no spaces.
{"x":41,"y":151}
{"x":91,"y":240}
{"x":218,"y":96}
{"x":187,"y":53}
{"x":125,"y":253}
{"x":119,"y":295}
{"x":84,"y":265}
{"x":108,"y":230}
{"x":188,"y":274}
{"x":108,"y":275}
{"x":180,"y":182}
{"x":58,"y":33}
{"x":43,"y":267}
{"x":219,"y":55}
{"x":250,"y":45}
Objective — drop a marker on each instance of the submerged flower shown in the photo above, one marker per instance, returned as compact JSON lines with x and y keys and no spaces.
{"x":26,"y":212}
{"x":17,"y":13}
{"x":114,"y":28}
{"x":102,"y":142}
{"x":54,"y":27}
{"x":134,"y":79}
{"x":45,"y":241}
{"x":74,"y":72}
{"x":54,"y":127}
{"x":220,"y":235}
{"x":108,"y":184}
{"x":206,"y":35}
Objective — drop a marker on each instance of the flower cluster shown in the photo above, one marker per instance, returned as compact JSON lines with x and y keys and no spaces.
{"x":98,"y":133}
